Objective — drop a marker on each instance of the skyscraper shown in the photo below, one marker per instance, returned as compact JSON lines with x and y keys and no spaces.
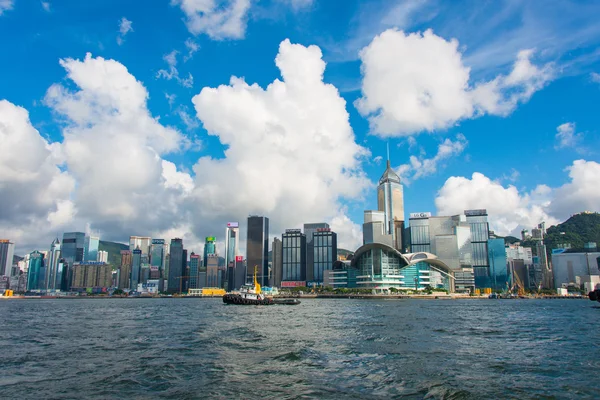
{"x":194,"y":264}
{"x":73,"y":247}
{"x":257,"y":248}
{"x":232,"y":234}
{"x":7,"y":251}
{"x":143,"y":242}
{"x":309,"y":230}
{"x":213,"y":276}
{"x":478,"y":220}
{"x":277,"y":263}
{"x":158,"y":253}
{"x":91,"y":248}
{"x":36,"y":272}
{"x":136,"y":268}
{"x":324,"y":253}
{"x":390,"y":200}
{"x":293,"y":243}
{"x":175,"y":265}
{"x":53,"y":279}
{"x":209,"y":247}
{"x":125,"y":274}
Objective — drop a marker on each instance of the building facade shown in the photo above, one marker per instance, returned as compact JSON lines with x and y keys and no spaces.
{"x":37,"y":271}
{"x":390,"y":200}
{"x":53,"y":277}
{"x":213,"y":275}
{"x":232,"y":239}
{"x":176,"y":265}
{"x":125,"y":269}
{"x":480,"y":233}
{"x":136,"y":268}
{"x":91,"y":248}
{"x":73,"y":247}
{"x":158,"y":254}
{"x":210,"y":247}
{"x":194,"y":270}
{"x":277,"y":263}
{"x":309,"y":231}
{"x":7,"y":251}
{"x":141,"y":242}
{"x":257,"y":248}
{"x":575,"y":267}
{"x":293,"y":245}
{"x":92,"y":274}
{"x":324,"y":251}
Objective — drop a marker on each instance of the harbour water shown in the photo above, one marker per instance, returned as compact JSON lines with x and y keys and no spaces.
{"x":322,"y":348}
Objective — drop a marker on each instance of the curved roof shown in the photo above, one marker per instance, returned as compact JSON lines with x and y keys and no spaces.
{"x":409,"y":258}
{"x":389,"y":175}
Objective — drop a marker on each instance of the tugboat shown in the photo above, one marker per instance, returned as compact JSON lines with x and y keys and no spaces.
{"x":594,"y":295}
{"x":248,"y":295}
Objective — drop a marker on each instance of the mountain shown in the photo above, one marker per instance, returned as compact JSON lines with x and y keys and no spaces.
{"x":114,"y":251}
{"x":576,"y":231}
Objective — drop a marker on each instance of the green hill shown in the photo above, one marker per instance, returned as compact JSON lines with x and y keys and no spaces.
{"x":576,"y":231}
{"x":114,"y":252}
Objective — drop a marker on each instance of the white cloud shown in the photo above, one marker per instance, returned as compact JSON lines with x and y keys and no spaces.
{"x":6,"y":5}
{"x":219,"y":19}
{"x":46,"y":6}
{"x":349,"y":234}
{"x":566,"y":136}
{"x":124,"y":28}
{"x":511,"y":210}
{"x":189,"y":121}
{"x":418,"y":82}
{"x":421,"y":166}
{"x":508,"y":210}
{"x":172,"y":72}
{"x":290,"y":150}
{"x":595,"y":77}
{"x":377,"y":160}
{"x":113,"y":146}
{"x":192,"y":47}
{"x":171,"y":99}
{"x":298,"y":5}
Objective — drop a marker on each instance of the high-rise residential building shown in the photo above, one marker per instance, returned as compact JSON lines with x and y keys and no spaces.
{"x":277,"y":263}
{"x":176,"y":265}
{"x":73,"y":247}
{"x":91,"y":248}
{"x":141,"y":242}
{"x":480,"y":233}
{"x":324,"y":253}
{"x":194,"y":270}
{"x":390,"y":200}
{"x":92,"y":274}
{"x":309,"y":230}
{"x":136,"y":268}
{"x":53,"y":279}
{"x":257,"y":248}
{"x":7,"y":251}
{"x":293,"y":244}
{"x":232,"y":239}
{"x":158,"y":253}
{"x":102,"y":256}
{"x":37,"y":271}
{"x":125,"y":270}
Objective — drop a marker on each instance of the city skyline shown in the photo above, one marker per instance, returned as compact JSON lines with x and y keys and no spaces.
{"x":503,"y":125}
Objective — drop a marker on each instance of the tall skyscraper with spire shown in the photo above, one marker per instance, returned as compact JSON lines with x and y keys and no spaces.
{"x":390,"y":200}
{"x":53,"y":279}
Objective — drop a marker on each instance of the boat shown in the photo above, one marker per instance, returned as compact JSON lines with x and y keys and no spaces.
{"x":249,"y":295}
{"x":594,"y":295}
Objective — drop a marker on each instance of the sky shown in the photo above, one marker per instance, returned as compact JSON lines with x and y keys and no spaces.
{"x":173,"y":117}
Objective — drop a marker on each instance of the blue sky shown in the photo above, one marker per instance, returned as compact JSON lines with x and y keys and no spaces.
{"x":523,"y":135}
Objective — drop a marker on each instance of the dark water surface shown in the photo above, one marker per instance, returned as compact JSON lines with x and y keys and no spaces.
{"x":200,"y":348}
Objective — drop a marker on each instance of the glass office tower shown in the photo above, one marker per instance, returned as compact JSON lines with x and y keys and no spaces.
{"x":293,"y":244}
{"x":176,"y":265}
{"x":324,"y":253}
{"x":478,"y":220}
{"x":73,"y":247}
{"x":257,"y":248}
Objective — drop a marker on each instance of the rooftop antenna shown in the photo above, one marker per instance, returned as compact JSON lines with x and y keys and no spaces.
{"x":388,"y":153}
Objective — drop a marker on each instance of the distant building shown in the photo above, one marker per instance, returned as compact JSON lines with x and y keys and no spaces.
{"x":125,"y":270}
{"x":309,"y":231}
{"x":91,"y":248}
{"x":136,"y":268}
{"x":37,"y":271}
{"x":232,"y":241}
{"x":257,"y":248}
{"x":176,"y":265}
{"x":102,"y":256}
{"x":499,"y":276}
{"x":213,"y":277}
{"x":576,"y":267}
{"x":293,"y":245}
{"x":53,"y":279}
{"x":390,"y":200}
{"x":324,"y":253}
{"x":478,"y":220}
{"x":277,"y":263}
{"x":158,"y":254}
{"x":7,"y":251}
{"x":91,"y":274}
{"x":210,"y":247}
{"x":194,"y":270}
{"x":73,"y":247}
{"x":141,"y":242}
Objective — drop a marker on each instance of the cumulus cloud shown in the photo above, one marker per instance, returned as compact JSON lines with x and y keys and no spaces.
{"x":113,"y":147}
{"x":420,"y":166}
{"x":219,"y":19}
{"x":172,"y":72}
{"x":6,"y":5}
{"x":125,"y":26}
{"x":510,"y":210}
{"x":418,"y":82}
{"x":566,"y":136}
{"x":290,"y":151}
